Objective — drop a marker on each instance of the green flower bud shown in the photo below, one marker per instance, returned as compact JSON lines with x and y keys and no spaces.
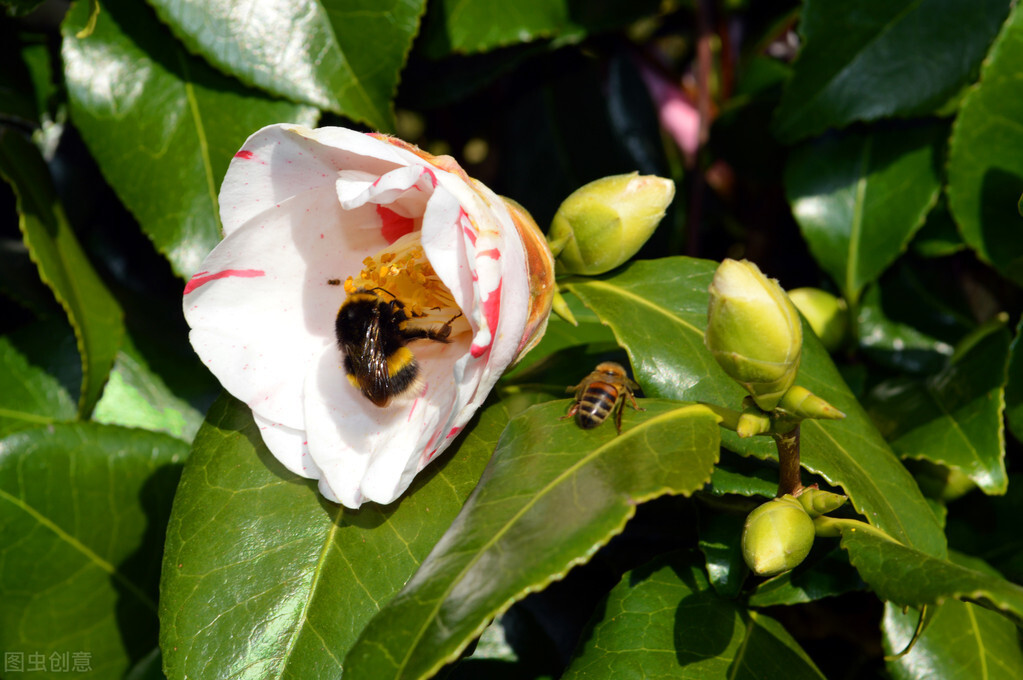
{"x":604,"y":223}
{"x":827,"y":315}
{"x":777,"y":537}
{"x":753,"y":331}
{"x":799,"y":403}
{"x":817,"y":502}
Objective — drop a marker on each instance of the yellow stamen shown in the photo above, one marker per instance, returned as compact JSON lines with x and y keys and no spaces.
{"x":403,"y":271}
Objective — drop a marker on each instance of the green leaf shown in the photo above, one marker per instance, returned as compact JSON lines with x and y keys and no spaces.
{"x":658,"y":311}
{"x":94,"y":314}
{"x":860,"y":197}
{"x":953,"y":417}
{"x":985,"y":165}
{"x":310,"y":574}
{"x":960,"y":641}
{"x":910,"y":578}
{"x":83,"y":509}
{"x":663,"y":620}
{"x":482,"y":25}
{"x":136,"y":396}
{"x":18,"y":8}
{"x":550,"y":497}
{"x":721,"y":545}
{"x":29,"y":395}
{"x":816,"y":578}
{"x":870,"y":59}
{"x":340,"y":55}
{"x":161,"y":124}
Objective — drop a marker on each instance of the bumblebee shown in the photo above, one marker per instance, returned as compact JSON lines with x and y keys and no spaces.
{"x":374,"y":333}
{"x":601,"y":392}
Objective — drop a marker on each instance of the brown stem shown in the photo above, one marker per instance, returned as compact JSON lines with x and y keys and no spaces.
{"x":789,"y":480}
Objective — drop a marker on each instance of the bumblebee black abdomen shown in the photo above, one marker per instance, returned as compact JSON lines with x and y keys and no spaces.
{"x":373,"y":334}
{"x":596,"y":404}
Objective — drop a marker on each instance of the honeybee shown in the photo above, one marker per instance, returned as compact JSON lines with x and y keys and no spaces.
{"x":374,"y":333}
{"x":601,"y":392}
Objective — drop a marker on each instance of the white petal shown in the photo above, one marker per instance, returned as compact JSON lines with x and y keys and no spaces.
{"x":372,"y":453}
{"x":281,"y":161}
{"x":288,"y":445}
{"x":263,"y":308}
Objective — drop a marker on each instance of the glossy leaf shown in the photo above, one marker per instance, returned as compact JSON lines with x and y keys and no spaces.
{"x":136,"y":396}
{"x":985,"y":165}
{"x":721,"y":545}
{"x":658,"y":311}
{"x":341,"y":55}
{"x":961,"y":640}
{"x":820,"y":576}
{"x":663,"y":620}
{"x":873,"y":59}
{"x":909,"y":578}
{"x":29,"y":396}
{"x":257,"y":562}
{"x":860,"y":197}
{"x":83,"y":509}
{"x":551,"y":496}
{"x":93,"y":312}
{"x":162,"y":125}
{"x":953,"y":417}
{"x":481,"y":25}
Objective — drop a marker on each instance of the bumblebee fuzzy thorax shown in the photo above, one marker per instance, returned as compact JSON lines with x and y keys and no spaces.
{"x":396,"y":299}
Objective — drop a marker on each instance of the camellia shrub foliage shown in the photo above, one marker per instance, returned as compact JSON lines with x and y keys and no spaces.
{"x":154,"y":523}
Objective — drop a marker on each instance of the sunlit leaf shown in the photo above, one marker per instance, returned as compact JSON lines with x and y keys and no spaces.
{"x":860,"y":197}
{"x":985,"y":165}
{"x":910,"y":578}
{"x":161,"y":124}
{"x":665,"y":621}
{"x":341,"y":55}
{"x":873,"y":59}
{"x":658,"y":311}
{"x":310,"y":575}
{"x":961,"y":640}
{"x":93,"y":312}
{"x":551,"y":496}
{"x":83,"y":509}
{"x":480,"y":25}
{"x":953,"y":417}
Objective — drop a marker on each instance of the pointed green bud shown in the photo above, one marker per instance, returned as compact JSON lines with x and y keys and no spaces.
{"x":827,"y":315}
{"x":817,"y":502}
{"x":777,"y":536}
{"x":604,"y":223}
{"x":753,"y":331}
{"x":799,"y":403}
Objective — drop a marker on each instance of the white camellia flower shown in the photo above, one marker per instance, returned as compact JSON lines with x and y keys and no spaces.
{"x":311,"y":217}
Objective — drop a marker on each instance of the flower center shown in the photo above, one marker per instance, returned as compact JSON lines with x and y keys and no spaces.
{"x":402,"y":270}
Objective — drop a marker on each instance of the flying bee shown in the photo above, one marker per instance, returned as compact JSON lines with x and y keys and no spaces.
{"x":374,"y":333}
{"x":601,"y":392}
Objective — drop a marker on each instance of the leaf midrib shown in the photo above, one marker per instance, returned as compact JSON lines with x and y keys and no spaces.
{"x":515,"y":518}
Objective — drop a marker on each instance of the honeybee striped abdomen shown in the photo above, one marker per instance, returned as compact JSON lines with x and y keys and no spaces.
{"x":602,"y":393}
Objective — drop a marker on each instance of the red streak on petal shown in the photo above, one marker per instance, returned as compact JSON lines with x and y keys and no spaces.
{"x":246,"y":155}
{"x":414,"y":404}
{"x":491,"y":311}
{"x":493,"y":253}
{"x":202,"y":278}
{"x":467,"y":227}
{"x":433,"y":177}
{"x":453,"y":432}
{"x":394,"y":225}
